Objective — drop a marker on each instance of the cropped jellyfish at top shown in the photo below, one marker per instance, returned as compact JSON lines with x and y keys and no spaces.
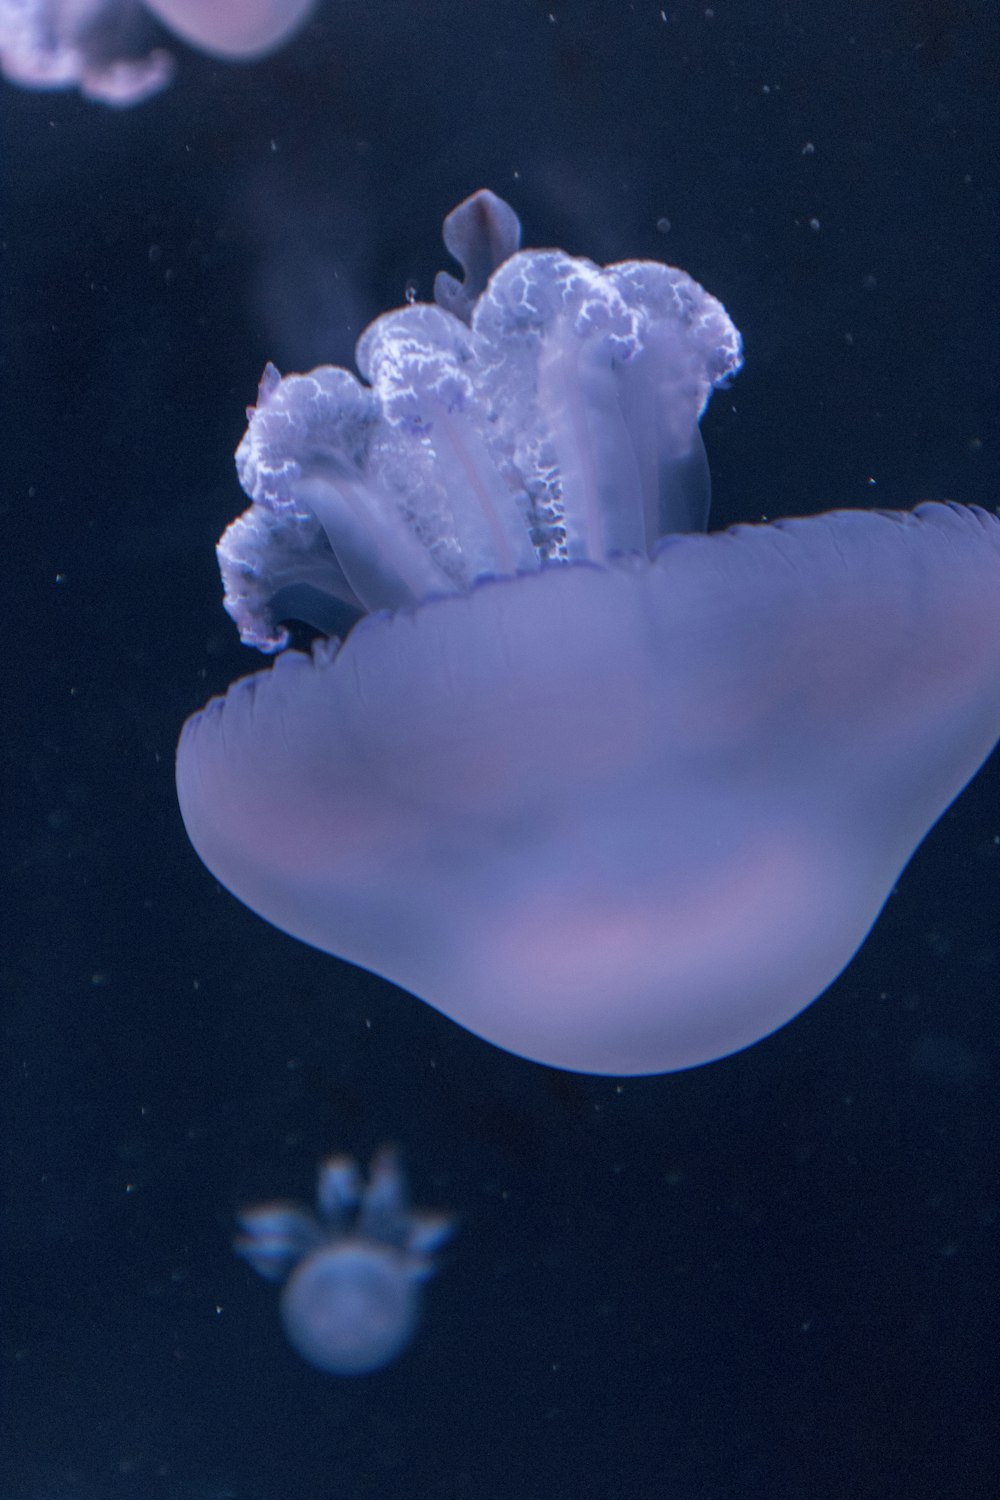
{"x":615,"y":794}
{"x":101,"y":46}
{"x":352,"y":1297}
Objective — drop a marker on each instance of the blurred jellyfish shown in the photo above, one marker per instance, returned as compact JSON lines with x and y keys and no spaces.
{"x":614,"y":794}
{"x":102,"y":46}
{"x":352,"y":1298}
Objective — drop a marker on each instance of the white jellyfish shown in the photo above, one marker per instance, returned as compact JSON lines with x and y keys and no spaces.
{"x":101,"y":46}
{"x":616,"y":794}
{"x":355,"y":1269}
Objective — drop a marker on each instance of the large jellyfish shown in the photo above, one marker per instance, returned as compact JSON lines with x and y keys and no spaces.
{"x":612,"y":793}
{"x":100,"y":46}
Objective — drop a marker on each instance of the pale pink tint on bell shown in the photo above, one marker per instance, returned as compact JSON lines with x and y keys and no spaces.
{"x":233,"y":28}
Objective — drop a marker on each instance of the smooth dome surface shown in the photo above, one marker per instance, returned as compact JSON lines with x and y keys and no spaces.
{"x":350,"y":1309}
{"x":233,"y":28}
{"x":621,"y":819}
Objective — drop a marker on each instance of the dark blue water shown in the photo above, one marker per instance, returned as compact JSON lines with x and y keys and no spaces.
{"x":772,"y":1277}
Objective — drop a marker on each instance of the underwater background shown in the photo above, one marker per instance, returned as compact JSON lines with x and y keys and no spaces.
{"x":774,"y":1276}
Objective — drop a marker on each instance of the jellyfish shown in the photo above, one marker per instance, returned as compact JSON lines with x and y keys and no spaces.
{"x":351,"y":1300}
{"x":615,"y":793}
{"x":100,"y":45}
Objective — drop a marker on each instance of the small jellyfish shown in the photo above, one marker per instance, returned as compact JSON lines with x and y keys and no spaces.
{"x":614,"y":793}
{"x":355,"y":1268}
{"x":102,"y":46}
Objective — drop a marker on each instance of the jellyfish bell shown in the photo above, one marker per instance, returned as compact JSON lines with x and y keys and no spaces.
{"x":233,"y":28}
{"x":613,"y":793}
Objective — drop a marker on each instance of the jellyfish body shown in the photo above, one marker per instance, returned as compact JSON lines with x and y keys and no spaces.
{"x":351,"y":1300}
{"x":233,"y":28}
{"x":100,"y":47}
{"x":614,"y":794}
